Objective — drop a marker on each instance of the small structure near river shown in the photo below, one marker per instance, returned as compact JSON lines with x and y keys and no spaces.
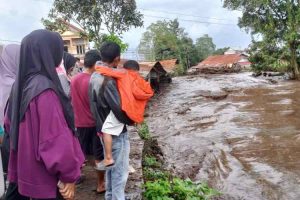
{"x":155,"y":73}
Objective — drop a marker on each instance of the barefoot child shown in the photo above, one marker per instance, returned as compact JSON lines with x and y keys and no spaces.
{"x":135,"y":92}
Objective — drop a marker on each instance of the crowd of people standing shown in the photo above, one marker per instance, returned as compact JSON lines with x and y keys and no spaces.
{"x":53,"y":121}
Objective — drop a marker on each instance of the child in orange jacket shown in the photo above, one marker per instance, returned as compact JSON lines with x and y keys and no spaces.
{"x":135,"y":92}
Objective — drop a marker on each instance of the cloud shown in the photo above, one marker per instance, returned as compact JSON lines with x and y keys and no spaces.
{"x":20,"y":17}
{"x":192,"y":14}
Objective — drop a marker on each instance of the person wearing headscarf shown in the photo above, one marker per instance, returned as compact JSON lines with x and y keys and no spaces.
{"x":65,"y":71}
{"x":78,"y":67}
{"x":9,"y":63}
{"x":40,"y":122}
{"x":69,"y":62}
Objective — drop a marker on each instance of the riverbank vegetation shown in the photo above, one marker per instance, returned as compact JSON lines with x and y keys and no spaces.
{"x":161,"y":184}
{"x":274,"y":26}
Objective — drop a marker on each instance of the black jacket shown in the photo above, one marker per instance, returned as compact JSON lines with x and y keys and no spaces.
{"x":104,"y":97}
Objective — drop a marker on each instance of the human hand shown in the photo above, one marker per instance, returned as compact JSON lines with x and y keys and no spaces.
{"x":68,"y":191}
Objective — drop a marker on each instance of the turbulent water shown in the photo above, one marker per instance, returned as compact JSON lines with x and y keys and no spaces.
{"x":238,"y":133}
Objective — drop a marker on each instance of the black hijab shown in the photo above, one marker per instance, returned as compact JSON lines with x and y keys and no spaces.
{"x":41,"y":53}
{"x":69,"y":61}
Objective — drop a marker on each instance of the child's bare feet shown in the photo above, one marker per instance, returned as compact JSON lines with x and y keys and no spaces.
{"x":100,"y":189}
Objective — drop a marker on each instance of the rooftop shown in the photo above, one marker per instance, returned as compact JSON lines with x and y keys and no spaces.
{"x":221,"y":59}
{"x":146,"y":67}
{"x":169,"y":65}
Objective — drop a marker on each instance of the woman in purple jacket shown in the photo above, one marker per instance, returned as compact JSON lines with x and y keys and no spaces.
{"x":40,"y":123}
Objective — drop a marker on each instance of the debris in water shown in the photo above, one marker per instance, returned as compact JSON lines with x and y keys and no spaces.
{"x":183,"y":110}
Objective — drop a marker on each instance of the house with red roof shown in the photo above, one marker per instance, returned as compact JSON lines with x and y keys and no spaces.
{"x":227,"y":63}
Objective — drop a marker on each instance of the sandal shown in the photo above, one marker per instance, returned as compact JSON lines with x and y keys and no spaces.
{"x":102,"y":167}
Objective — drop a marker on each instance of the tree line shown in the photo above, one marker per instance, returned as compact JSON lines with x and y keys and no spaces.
{"x":273,"y":24}
{"x":162,"y":40}
{"x":275,"y":29}
{"x":167,"y":40}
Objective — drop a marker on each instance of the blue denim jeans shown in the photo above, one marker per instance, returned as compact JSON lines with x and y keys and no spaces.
{"x":117,"y":176}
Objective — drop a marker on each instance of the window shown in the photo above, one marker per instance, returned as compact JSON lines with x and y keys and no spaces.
{"x":66,"y":49}
{"x":67,"y":44}
{"x":80,"y":49}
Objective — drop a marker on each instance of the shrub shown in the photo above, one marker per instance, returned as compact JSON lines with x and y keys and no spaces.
{"x":178,"y":189}
{"x":158,"y":190}
{"x":152,"y":175}
{"x":144,"y":131}
{"x":186,"y":189}
{"x":150,"y":161}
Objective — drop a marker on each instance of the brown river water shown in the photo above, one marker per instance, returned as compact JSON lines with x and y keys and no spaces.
{"x":246,"y":144}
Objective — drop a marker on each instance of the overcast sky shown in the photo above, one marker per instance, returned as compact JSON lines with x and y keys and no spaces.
{"x":20,"y":17}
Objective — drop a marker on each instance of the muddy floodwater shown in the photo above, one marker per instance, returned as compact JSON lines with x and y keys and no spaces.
{"x":238,"y":133}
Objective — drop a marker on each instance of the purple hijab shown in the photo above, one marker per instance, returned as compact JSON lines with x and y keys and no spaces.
{"x":41,"y":52}
{"x":9,"y":63}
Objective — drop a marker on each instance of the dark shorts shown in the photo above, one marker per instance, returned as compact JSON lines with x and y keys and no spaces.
{"x":90,"y":142}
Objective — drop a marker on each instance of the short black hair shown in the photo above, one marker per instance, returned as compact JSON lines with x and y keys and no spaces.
{"x":77,"y":59}
{"x":132,"y":64}
{"x":110,"y":51}
{"x":91,"y":58}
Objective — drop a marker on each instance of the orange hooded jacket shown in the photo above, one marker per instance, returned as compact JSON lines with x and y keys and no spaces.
{"x":135,"y":92}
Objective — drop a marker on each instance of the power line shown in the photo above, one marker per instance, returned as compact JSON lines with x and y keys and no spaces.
{"x":183,"y":14}
{"x":176,"y":13}
{"x":188,"y":20}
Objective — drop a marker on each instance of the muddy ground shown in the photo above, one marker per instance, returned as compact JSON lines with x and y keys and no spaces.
{"x":85,"y":190}
{"x":238,"y":133}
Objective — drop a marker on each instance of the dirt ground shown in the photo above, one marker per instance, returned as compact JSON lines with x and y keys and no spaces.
{"x":133,"y":190}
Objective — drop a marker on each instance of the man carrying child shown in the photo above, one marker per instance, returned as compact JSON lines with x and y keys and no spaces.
{"x":105,"y":97}
{"x":127,"y":95}
{"x":135,"y":92}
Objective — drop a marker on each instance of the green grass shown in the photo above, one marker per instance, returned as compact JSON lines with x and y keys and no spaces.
{"x":150,"y":161}
{"x":178,"y":189}
{"x":144,"y":131}
{"x":155,"y":174}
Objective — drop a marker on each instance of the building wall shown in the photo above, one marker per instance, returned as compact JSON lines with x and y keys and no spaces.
{"x":72,"y":40}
